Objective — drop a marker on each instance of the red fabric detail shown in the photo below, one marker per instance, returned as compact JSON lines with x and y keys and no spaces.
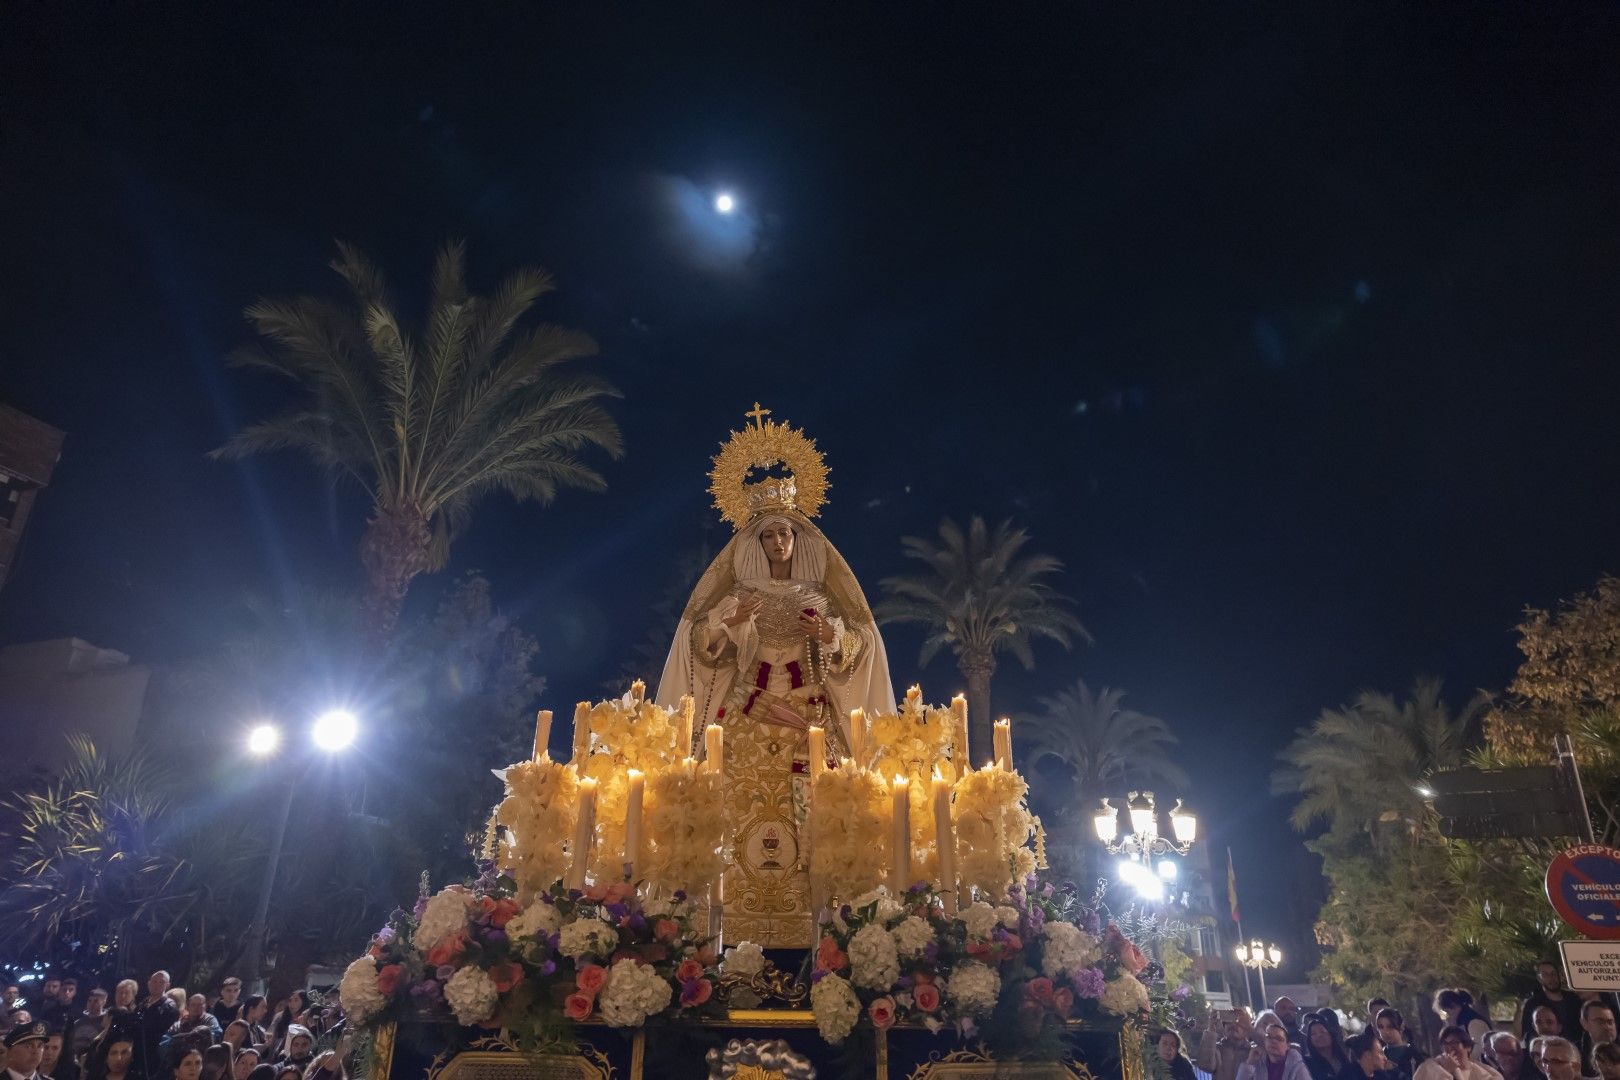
{"x":795,"y":674}
{"x":764,"y":675}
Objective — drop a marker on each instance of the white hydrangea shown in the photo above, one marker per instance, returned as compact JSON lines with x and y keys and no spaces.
{"x":888,"y":908}
{"x":539,"y":919}
{"x":744,"y":958}
{"x":358,"y":991}
{"x":443,"y":918}
{"x":974,"y":988}
{"x":912,"y":936}
{"x":980,"y":920}
{"x":633,"y":993}
{"x":1124,"y":996}
{"x":1008,"y":917}
{"x":872,"y":958}
{"x":1068,"y":948}
{"x":587,"y":937}
{"x":836,"y":1008}
{"x":472,"y":996}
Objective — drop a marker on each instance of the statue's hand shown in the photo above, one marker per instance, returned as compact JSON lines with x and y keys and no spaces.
{"x":817,"y":627}
{"x":746,"y":609}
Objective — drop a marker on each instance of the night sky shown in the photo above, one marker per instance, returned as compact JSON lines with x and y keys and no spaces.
{"x":1292,"y":330}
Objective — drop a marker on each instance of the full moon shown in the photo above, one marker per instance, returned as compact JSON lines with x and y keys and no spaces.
{"x":725,"y":203}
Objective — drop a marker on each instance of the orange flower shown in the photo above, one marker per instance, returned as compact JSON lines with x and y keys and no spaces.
{"x":619,"y":892}
{"x":505,"y":911}
{"x":1063,"y":1001}
{"x":829,"y":957}
{"x":666,"y":930}
{"x":689,"y":969}
{"x":388,"y":979}
{"x":505,"y":975}
{"x":596,"y":893}
{"x":591,"y":978}
{"x":449,"y":950}
{"x":1040,"y":989}
{"x":578,"y":1006}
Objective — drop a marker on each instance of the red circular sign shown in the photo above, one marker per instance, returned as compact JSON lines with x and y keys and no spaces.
{"x":1583,"y":884}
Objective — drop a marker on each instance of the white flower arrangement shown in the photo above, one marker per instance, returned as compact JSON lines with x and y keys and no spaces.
{"x":541,"y":805}
{"x":979,"y":919}
{"x":836,"y":1008}
{"x":911,"y":936}
{"x":472,"y":995}
{"x":1068,"y":948}
{"x":538,"y":920}
{"x":633,"y":993}
{"x":1007,"y":917}
{"x":358,"y":991}
{"x":887,"y":906}
{"x":993,"y":830}
{"x":849,"y":820}
{"x":587,"y":937}
{"x":873,"y":960}
{"x":744,"y":958}
{"x":974,"y":988}
{"x":1124,"y":996}
{"x":686,"y":823}
{"x":444,"y":917}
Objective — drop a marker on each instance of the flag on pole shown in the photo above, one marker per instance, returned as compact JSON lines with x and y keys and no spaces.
{"x":1231,"y":888}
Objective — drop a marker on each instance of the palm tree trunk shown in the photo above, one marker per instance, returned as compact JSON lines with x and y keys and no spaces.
{"x":977,"y":670}
{"x":393,"y":551}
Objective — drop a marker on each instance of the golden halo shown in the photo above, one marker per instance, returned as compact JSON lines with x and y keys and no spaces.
{"x":761,"y":446}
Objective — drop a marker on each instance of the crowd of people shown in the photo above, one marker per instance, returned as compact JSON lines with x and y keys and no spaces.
{"x":1558,"y":1034}
{"x":167,"y":1034}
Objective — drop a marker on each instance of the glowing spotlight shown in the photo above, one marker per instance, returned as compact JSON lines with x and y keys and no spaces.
{"x":724,"y":203}
{"x":263,"y":739}
{"x":1167,"y":870}
{"x":335,"y":730}
{"x":1142,"y":879}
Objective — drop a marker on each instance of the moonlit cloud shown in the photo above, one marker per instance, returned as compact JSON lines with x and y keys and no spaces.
{"x":695,"y":231}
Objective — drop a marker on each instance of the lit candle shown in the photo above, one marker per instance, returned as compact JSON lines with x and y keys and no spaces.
{"x":945,"y":842}
{"x":584,"y":832}
{"x":959,"y":707}
{"x":1003,"y":743}
{"x":683,"y":747}
{"x":857,"y":736}
{"x":714,"y":747}
{"x":816,"y":750}
{"x":582,"y":733}
{"x":542,"y":733}
{"x":638,"y":691}
{"x":632,"y":822}
{"x":900,"y":837}
{"x":913,"y":696}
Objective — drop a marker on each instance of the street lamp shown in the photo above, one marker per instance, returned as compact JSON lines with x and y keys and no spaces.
{"x":1259,"y":956}
{"x":1144,"y":838}
{"x":333,"y":731}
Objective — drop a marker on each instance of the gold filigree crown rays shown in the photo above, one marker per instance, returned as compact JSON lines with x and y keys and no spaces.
{"x":764,"y":445}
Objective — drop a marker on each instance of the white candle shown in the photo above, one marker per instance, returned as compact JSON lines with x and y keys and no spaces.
{"x":584,"y":832}
{"x":945,"y":842}
{"x":913,"y":696}
{"x":714,"y":747}
{"x":816,"y":750}
{"x":1003,"y":743}
{"x":582,"y":733}
{"x":900,"y":837}
{"x":638,"y":691}
{"x":857,"y":736}
{"x":542,"y":733}
{"x":683,"y":732}
{"x":959,"y":707}
{"x":632,"y":822}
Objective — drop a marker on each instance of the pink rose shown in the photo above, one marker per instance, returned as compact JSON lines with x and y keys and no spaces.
{"x":666,"y":930}
{"x":882,"y":1012}
{"x":1039,"y":989}
{"x":578,"y":1006}
{"x":505,"y":911}
{"x":695,"y":992}
{"x":596,"y":893}
{"x":591,"y":978}
{"x":829,"y":957}
{"x":688,"y":970}
{"x":926,"y":995}
{"x":620,"y":891}
{"x":505,"y":975}
{"x":1063,"y":1001}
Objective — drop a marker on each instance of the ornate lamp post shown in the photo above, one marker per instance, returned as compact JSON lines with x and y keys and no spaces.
{"x":1259,"y":956}
{"x":1144,"y":840}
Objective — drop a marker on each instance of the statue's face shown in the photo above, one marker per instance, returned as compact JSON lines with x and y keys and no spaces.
{"x":777,"y":540}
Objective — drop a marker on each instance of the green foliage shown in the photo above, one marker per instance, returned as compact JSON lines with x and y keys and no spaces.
{"x":1104,"y":748}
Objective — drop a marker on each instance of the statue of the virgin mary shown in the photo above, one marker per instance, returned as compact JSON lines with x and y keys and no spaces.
{"x":776,"y":638}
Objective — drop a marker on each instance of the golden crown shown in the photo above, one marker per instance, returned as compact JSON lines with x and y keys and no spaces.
{"x":764,"y":445}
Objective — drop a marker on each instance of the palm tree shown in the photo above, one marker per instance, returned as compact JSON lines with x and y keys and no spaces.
{"x":982,"y":598}
{"x":1109,"y":749}
{"x":427,"y":426}
{"x":1365,"y":762}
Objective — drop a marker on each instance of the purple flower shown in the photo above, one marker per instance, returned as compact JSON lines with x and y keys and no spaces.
{"x":921,"y":886}
{"x":1000,"y":934}
{"x":638,"y":921}
{"x":905,"y":982}
{"x":1089,"y":922}
{"x":444,"y":971}
{"x":495,"y":936}
{"x":618,"y":911}
{"x":575,"y":895}
{"x":680,"y":896}
{"x":552,"y":941}
{"x":931,"y":950}
{"x":968,"y":1028}
{"x":1088,"y":982}
{"x":1037,"y":917}
{"x":427,"y":992}
{"x":386,"y":936}
{"x":549,"y":967}
{"x":1046,"y":890}
{"x":1180,"y":993}
{"x":1031,"y":881}
{"x":817,"y":975}
{"x":421,"y":906}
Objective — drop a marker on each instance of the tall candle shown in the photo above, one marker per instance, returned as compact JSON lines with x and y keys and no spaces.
{"x":945,"y":842}
{"x":913,"y":696}
{"x":816,"y":750}
{"x":1003,"y":743}
{"x":959,"y":707}
{"x":638,"y":691}
{"x":900,"y":837}
{"x":632,"y":822}
{"x":683,"y":747}
{"x":542,"y":733}
{"x":857,"y":736}
{"x":584,"y":832}
{"x":714,"y":747}
{"x":582,"y":733}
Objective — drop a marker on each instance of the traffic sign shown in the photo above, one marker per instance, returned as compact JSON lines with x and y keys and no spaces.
{"x":1583,"y":884}
{"x":1591,"y":965}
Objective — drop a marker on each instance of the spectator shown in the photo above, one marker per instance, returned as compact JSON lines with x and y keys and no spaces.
{"x":1504,"y":1053}
{"x":68,"y":995}
{"x":237,"y":1034}
{"x":1606,"y":1056}
{"x":1221,"y":1056}
{"x":88,"y":1025}
{"x":124,"y":992}
{"x":1365,"y":1054}
{"x":216,"y":1062}
{"x":1455,"y":1006}
{"x":188,"y":1063}
{"x":1560,"y":1059}
{"x":1279,"y":1060}
{"x":52,"y":1062}
{"x":263,"y":1072}
{"x":113,"y":1057}
{"x":1455,"y":1060}
{"x":25,"y":1045}
{"x":1324,"y":1054}
{"x":1597,"y":1026}
{"x":1169,"y":1053}
{"x":157,"y":1014}
{"x":254,"y":1009}
{"x":9,"y":996}
{"x":1262,"y":1024}
{"x":1548,"y":1020}
{"x":329,"y":1065}
{"x":1550,"y":994}
{"x":48,"y":1009}
{"x":247,"y":1061}
{"x":298,"y":1048}
{"x":289,"y":1072}
{"x":1403,"y":1056}
{"x":1288,"y":1015}
{"x":196,"y":1029}
{"x":291,"y":1012}
{"x":229,"y":1004}
{"x":1374,"y":1007}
